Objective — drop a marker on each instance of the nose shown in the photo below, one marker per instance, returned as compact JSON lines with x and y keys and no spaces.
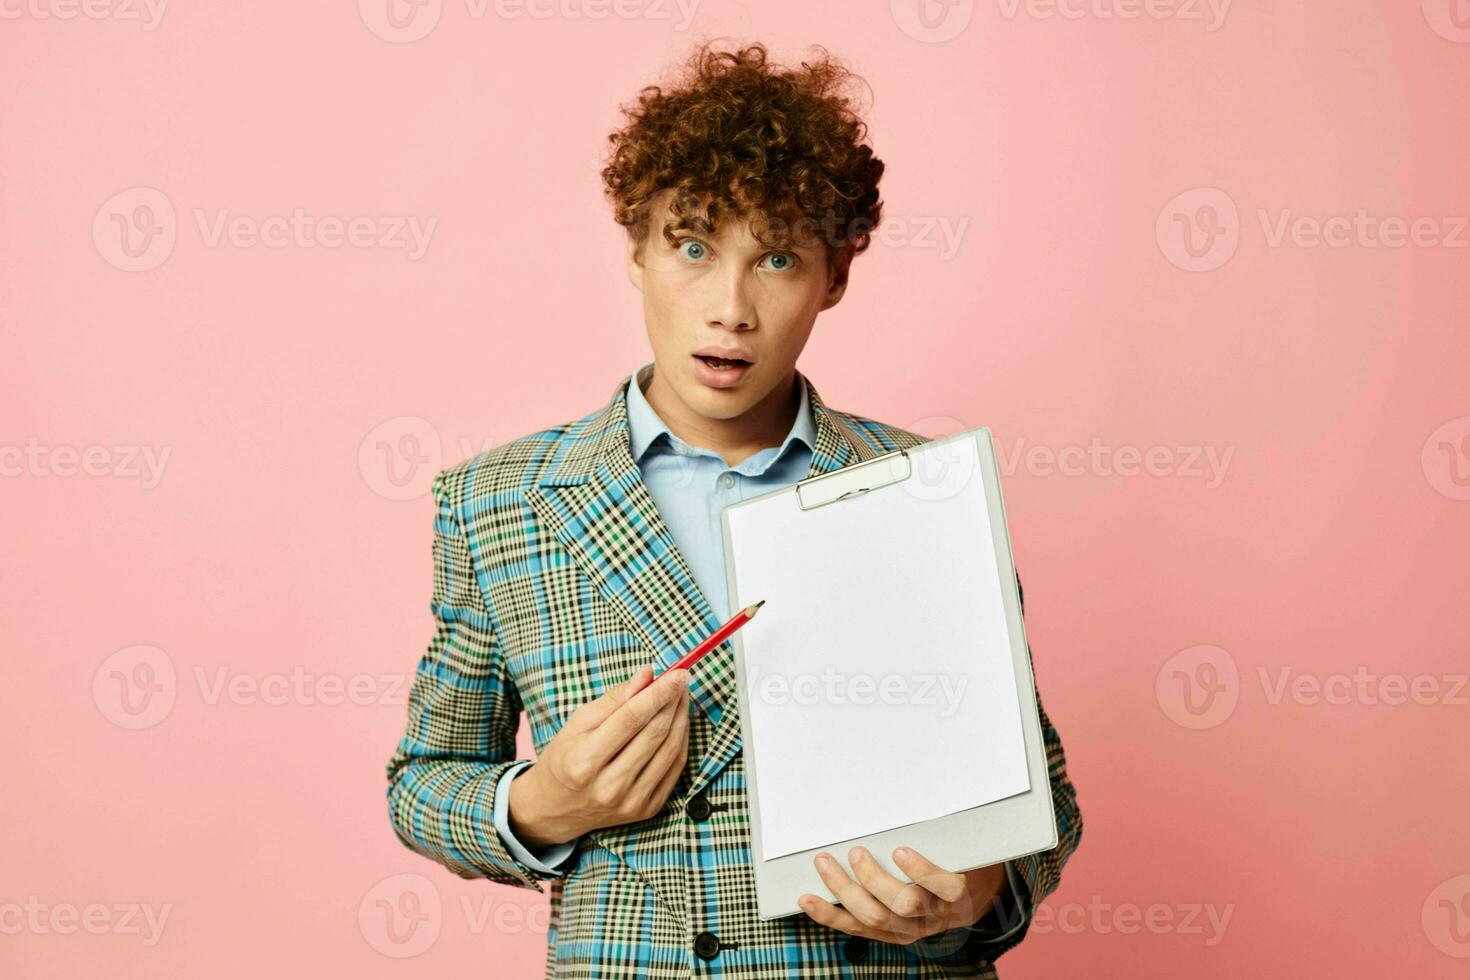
{"x":730,"y":303}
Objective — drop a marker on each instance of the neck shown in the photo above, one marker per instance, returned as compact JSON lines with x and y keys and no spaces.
{"x":763,"y":425}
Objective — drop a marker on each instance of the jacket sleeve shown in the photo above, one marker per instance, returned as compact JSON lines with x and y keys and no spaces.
{"x":463,"y":714}
{"x":1039,"y":873}
{"x":1004,"y":926}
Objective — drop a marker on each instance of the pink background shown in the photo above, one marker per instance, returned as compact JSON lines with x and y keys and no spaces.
{"x":277,"y":542}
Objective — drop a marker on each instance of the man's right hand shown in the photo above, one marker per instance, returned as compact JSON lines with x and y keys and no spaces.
{"x":615,"y":761}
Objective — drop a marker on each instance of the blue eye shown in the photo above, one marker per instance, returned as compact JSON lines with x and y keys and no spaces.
{"x":696,"y":251}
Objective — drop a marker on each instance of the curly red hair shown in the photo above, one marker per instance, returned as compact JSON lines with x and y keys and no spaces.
{"x":780,"y":147}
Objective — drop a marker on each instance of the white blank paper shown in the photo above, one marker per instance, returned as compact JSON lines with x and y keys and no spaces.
{"x":879,"y":678}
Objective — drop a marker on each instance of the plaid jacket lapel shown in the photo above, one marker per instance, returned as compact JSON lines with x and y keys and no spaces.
{"x":595,"y":501}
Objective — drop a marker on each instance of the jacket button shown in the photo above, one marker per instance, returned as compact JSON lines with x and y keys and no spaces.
{"x":706,"y":945}
{"x":698,"y":808}
{"x":855,"y":949}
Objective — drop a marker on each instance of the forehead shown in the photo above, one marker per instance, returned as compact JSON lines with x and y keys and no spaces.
{"x":733,"y":228}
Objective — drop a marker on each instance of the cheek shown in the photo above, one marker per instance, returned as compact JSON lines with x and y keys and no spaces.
{"x":656,"y":313}
{"x":794,"y":301}
{"x":665,"y":302}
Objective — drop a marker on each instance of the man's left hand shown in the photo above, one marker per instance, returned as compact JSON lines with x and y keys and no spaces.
{"x":880,"y":907}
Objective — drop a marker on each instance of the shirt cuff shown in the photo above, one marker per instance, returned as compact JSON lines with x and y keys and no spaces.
{"x":1008,"y":916}
{"x":1001,"y":927}
{"x":553,"y":860}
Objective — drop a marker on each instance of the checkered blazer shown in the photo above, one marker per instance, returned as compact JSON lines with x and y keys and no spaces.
{"x":554,"y":580}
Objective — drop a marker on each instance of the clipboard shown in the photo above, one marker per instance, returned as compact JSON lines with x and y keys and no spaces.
{"x":855,"y":533}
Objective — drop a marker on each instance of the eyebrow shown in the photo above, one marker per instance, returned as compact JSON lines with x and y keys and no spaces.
{"x":694,"y":223}
{"x":699,"y":224}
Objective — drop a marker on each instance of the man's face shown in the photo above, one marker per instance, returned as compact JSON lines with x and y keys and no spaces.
{"x":728,"y":292}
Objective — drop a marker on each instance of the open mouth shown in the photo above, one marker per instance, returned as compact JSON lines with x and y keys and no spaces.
{"x":720,"y":372}
{"x":723,"y":363}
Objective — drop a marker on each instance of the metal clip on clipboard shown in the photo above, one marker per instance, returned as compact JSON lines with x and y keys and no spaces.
{"x":827,"y":488}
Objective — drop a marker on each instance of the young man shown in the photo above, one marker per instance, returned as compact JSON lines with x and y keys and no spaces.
{"x":571,"y":562}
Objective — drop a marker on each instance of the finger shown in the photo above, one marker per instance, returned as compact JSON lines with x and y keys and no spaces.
{"x":905,"y":898}
{"x":827,"y":914}
{"x":609,"y":738}
{"x":667,"y":764}
{"x":595,"y":712}
{"x":662,"y":755}
{"x":625,"y":766}
{"x":671,"y":777}
{"x":854,"y":897}
{"x":945,"y":884}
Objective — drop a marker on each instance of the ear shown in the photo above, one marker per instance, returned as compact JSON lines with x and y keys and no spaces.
{"x":635,"y":264}
{"x":836,"y":283}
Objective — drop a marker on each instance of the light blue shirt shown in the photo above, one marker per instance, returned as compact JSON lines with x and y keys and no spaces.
{"x":690,"y":485}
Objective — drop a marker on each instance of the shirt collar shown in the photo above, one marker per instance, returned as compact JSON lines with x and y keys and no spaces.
{"x":646,"y":426}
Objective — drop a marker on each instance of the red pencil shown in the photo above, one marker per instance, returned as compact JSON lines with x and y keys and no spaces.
{"x":718,"y":636}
